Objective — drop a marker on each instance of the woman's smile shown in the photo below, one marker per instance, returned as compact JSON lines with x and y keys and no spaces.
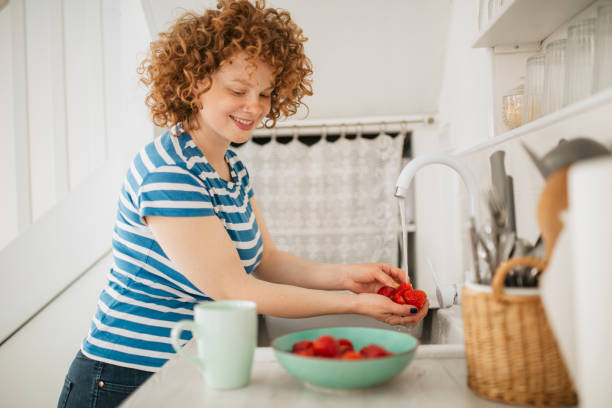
{"x":243,"y":124}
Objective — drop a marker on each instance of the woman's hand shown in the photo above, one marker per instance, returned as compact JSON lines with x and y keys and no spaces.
{"x":369,"y":277}
{"x":385,"y":310}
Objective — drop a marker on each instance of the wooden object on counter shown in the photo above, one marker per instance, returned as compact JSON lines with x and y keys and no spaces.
{"x":512,"y":355}
{"x":553,"y":200}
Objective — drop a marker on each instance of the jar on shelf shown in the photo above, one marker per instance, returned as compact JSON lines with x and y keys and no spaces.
{"x":512,"y":107}
{"x":534,"y":88}
{"x":602,"y":75}
{"x":494,"y":7}
{"x":579,"y":61}
{"x":554,"y":76}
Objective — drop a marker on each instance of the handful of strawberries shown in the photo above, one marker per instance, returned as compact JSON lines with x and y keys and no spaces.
{"x":404,"y":294}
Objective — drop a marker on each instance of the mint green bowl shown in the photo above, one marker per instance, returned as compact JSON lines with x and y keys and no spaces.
{"x":335,"y":374}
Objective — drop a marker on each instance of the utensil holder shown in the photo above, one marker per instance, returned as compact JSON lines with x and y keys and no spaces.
{"x":512,"y":355}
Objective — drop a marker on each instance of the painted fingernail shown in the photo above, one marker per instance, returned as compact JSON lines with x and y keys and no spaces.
{"x":413,"y":310}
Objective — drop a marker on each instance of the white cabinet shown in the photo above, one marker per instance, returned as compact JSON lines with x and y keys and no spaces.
{"x":520,"y":22}
{"x":520,"y":29}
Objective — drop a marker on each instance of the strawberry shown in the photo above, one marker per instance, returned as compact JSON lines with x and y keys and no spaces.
{"x":351,"y":355}
{"x":403,"y":287}
{"x":302,"y":345}
{"x":305,"y":352}
{"x":344,"y":345}
{"x":398,"y":298}
{"x":415,"y":298}
{"x":374,"y":351}
{"x":387,"y":291}
{"x":325,"y":346}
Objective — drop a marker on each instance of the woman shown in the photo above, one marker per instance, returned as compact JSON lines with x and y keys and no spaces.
{"x":188,"y":226}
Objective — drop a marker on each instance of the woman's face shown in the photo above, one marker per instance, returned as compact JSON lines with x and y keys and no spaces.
{"x":237,"y":101}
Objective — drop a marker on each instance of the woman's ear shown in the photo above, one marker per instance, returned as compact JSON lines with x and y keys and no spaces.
{"x":201,"y":86}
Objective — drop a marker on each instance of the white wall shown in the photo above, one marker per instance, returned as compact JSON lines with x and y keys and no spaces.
{"x":8,"y":205}
{"x":370,"y":58}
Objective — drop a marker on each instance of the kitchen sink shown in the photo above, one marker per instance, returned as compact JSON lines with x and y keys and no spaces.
{"x":440,"y":326}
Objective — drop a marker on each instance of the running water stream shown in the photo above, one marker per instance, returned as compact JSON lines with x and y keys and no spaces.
{"x":402,"y":208}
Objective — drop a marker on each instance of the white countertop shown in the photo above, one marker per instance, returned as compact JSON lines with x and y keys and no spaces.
{"x":435,"y":378}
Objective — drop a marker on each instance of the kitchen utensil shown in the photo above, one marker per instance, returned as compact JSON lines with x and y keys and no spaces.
{"x":538,"y":250}
{"x":553,"y":200}
{"x":554,"y":167}
{"x":554,"y":76}
{"x":499,"y":216}
{"x":221,"y":329}
{"x":579,"y":62}
{"x":332,"y":374}
{"x":506,"y":244}
{"x":566,"y":153}
{"x":521,"y":276}
{"x":487,"y":253}
{"x":474,"y":248}
{"x":602,"y":74}
{"x":509,"y":185}
{"x":498,"y":174}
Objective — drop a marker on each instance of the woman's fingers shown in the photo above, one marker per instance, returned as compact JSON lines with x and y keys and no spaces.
{"x":396,"y":273}
{"x":402,"y":310}
{"x":403,"y":315}
{"x":384,"y":278}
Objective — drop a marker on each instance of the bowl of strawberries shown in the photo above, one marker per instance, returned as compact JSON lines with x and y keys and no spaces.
{"x":345,"y":358}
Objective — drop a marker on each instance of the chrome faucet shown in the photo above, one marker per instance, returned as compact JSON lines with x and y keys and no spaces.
{"x":410,"y":170}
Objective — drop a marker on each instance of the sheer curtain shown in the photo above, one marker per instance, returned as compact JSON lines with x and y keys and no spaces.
{"x":332,"y":201}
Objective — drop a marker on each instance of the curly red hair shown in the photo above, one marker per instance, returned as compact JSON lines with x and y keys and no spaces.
{"x":197,"y":45}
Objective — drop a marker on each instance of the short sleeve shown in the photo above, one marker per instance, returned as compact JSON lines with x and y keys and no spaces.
{"x":244,"y":176}
{"x":248,"y":185}
{"x":172,"y":191}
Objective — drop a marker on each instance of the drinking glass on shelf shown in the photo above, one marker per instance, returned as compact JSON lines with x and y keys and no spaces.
{"x":512,"y":103}
{"x":602,"y":73}
{"x":554,"y":76}
{"x":579,"y":61}
{"x":534,"y":88}
{"x":494,"y":7}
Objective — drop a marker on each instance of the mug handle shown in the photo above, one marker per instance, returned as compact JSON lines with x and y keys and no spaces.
{"x":175,"y":333}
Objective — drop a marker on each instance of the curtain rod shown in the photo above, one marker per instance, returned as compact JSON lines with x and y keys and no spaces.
{"x":340,"y":126}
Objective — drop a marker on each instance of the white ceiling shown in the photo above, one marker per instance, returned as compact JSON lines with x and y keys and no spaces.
{"x":370,"y":57}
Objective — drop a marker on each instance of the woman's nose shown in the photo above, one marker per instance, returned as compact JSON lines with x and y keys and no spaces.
{"x":254,"y":104}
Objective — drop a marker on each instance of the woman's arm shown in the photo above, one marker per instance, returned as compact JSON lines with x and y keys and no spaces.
{"x":282,"y":267}
{"x":203,"y":251}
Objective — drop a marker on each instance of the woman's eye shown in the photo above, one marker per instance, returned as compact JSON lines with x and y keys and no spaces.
{"x":237,"y":93}
{"x":265,"y":96}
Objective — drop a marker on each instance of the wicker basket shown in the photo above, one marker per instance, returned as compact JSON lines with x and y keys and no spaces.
{"x":512,"y":355}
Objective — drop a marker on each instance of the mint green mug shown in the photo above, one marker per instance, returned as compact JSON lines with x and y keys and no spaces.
{"x":226,"y":335}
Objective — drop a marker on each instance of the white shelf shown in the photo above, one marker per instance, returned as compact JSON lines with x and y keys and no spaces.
{"x":527,"y":21}
{"x":571,"y":111}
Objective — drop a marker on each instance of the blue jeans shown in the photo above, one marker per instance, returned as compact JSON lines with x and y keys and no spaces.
{"x":94,"y":384}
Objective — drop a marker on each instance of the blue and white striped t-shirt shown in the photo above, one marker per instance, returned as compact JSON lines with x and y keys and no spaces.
{"x":146,"y":294}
